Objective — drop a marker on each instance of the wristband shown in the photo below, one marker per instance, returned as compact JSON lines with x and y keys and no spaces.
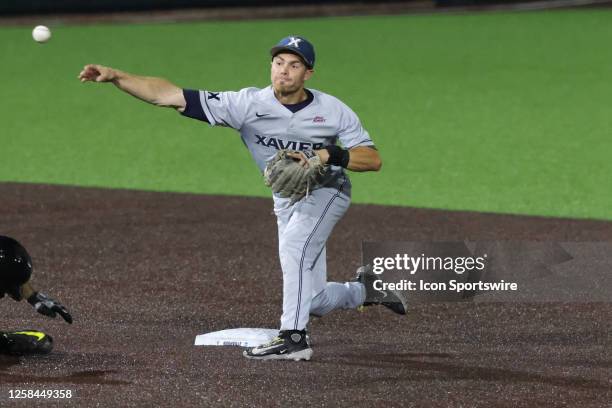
{"x":338,"y":156}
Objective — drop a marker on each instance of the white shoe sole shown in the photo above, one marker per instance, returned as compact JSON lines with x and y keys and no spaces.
{"x":305,"y":354}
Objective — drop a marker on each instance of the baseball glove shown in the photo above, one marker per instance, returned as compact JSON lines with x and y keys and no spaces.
{"x":289,"y":178}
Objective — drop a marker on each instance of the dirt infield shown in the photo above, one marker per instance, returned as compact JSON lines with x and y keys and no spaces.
{"x":143,"y":273}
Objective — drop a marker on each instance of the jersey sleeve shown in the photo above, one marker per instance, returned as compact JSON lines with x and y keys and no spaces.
{"x":193,"y":107}
{"x":218,"y":108}
{"x":350,"y":132}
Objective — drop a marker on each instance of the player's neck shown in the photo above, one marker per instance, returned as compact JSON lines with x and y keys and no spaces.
{"x":291,"y":98}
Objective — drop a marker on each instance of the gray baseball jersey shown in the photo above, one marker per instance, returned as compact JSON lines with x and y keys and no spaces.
{"x":265,"y":126}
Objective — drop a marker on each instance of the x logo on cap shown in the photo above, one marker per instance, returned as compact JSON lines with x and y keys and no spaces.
{"x":294,"y":42}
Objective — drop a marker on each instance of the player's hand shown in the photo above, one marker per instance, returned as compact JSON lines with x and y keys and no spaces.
{"x":299,"y":157}
{"x":304,"y":159}
{"x":323,"y":155}
{"x":49,"y":307}
{"x":97,"y":73}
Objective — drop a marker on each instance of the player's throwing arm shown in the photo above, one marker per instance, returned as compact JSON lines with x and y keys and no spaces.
{"x":156,"y":91}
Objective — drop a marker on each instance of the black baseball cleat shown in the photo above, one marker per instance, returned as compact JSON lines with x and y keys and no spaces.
{"x":391,"y":299}
{"x":288,"y":345}
{"x":25,"y":342}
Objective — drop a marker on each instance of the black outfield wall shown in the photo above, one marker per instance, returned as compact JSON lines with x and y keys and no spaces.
{"x":11,"y":7}
{"x":22,"y":7}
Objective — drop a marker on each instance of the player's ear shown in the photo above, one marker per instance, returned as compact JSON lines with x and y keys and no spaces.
{"x":309,"y":73}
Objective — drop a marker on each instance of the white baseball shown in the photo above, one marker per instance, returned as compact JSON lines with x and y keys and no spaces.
{"x":41,"y":34}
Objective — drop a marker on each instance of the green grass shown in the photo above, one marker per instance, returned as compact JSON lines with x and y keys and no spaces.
{"x":505,"y":112}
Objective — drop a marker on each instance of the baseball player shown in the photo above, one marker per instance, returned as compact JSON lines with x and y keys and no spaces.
{"x":307,"y":124}
{"x":15,"y":272}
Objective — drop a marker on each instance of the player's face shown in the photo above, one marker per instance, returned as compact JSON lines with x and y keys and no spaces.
{"x":289,"y":73}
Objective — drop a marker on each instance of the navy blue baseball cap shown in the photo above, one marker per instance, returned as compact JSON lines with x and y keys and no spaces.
{"x":296,"y":45}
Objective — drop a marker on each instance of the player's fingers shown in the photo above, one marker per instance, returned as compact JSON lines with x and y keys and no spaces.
{"x":101,"y":70}
{"x":64,"y":313}
{"x":92,"y":68}
{"x":300,"y":156}
{"x":88,"y":74}
{"x":88,"y":68}
{"x":303,"y":160}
